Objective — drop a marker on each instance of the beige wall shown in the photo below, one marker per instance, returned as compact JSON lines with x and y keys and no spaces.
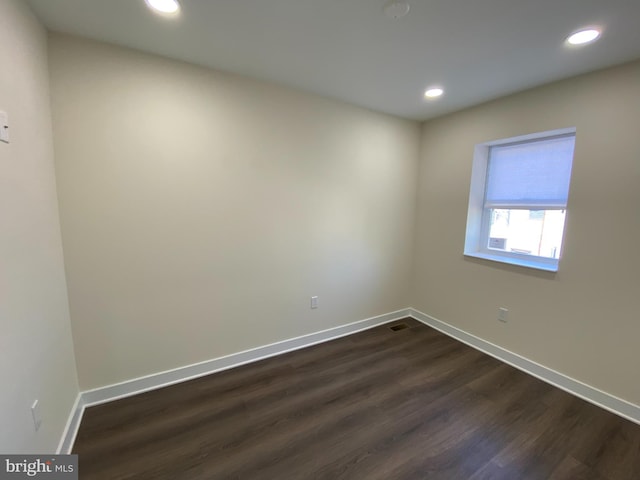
{"x":584,"y":320}
{"x":201,"y":210}
{"x":35,"y":334}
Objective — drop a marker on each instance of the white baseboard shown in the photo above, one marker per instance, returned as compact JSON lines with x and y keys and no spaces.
{"x":189,"y":372}
{"x":71,"y":429}
{"x":586,"y":392}
{"x":135,"y":386}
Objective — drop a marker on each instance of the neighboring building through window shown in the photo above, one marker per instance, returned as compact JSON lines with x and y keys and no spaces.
{"x":518,"y":199}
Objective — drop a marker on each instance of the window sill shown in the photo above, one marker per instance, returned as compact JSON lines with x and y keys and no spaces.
{"x":520,"y":262}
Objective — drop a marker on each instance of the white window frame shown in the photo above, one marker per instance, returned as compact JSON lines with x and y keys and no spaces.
{"x":478,"y":223}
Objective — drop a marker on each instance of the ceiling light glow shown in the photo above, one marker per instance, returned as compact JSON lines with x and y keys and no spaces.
{"x":583,"y":37}
{"x":396,"y":9}
{"x":434,"y":92}
{"x":164,"y":6}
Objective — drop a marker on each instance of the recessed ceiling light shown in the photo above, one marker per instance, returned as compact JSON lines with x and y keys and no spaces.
{"x":434,"y":92}
{"x":396,"y":9}
{"x":583,"y":37}
{"x":164,"y":6}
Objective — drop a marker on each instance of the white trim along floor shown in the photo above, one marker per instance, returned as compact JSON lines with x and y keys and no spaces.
{"x":128,"y":388}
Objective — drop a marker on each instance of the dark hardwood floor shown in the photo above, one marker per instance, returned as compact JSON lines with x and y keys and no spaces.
{"x":380,"y":404}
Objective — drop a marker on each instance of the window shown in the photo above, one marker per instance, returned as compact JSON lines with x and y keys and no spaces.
{"x":518,"y":199}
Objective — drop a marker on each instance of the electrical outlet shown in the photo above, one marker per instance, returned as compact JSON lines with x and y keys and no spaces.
{"x":4,"y":127}
{"x":35,"y":413}
{"x":314,"y":302}
{"x":503,"y":315}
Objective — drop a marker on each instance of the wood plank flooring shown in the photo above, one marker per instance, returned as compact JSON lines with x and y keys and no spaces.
{"x":380,"y":404}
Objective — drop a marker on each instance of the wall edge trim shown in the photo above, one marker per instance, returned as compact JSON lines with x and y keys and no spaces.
{"x":128,"y":388}
{"x":611,"y":403}
{"x":166,"y":378}
{"x":71,"y":429}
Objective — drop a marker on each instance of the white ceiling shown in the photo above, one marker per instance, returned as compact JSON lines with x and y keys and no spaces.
{"x":349,"y":50}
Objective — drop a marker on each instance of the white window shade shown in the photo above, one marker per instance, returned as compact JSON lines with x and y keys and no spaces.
{"x":531,"y":175}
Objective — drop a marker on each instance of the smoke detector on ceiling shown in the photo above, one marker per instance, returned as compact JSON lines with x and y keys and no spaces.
{"x":396,"y":9}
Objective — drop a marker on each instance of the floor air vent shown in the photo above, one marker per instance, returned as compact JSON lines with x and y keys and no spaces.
{"x":399,"y":326}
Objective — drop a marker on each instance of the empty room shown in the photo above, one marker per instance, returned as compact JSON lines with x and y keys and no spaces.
{"x":306,"y":239}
